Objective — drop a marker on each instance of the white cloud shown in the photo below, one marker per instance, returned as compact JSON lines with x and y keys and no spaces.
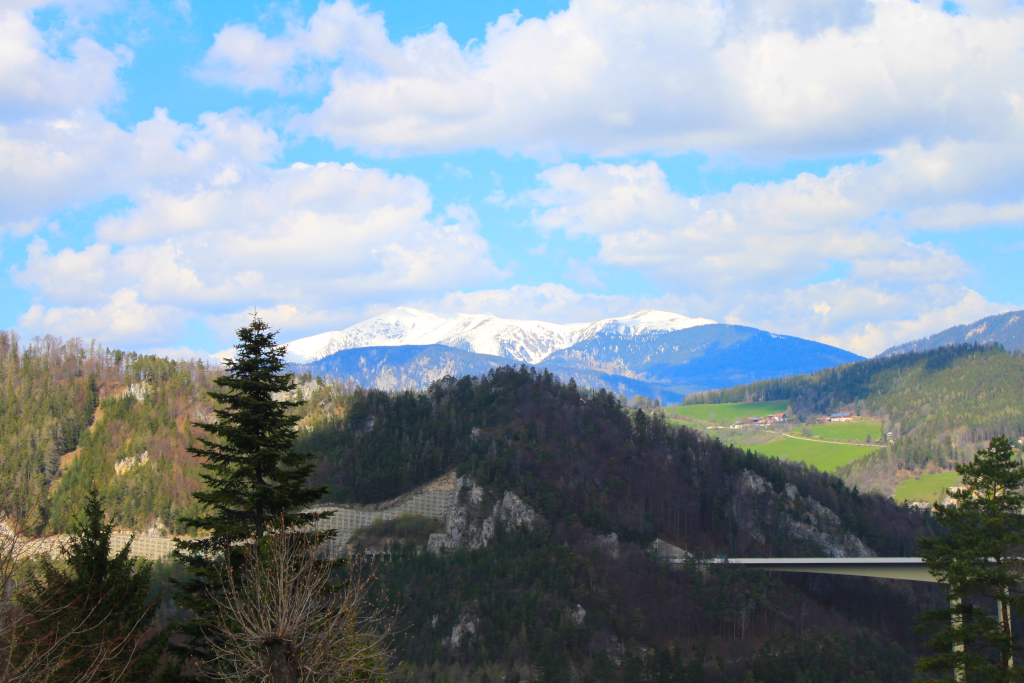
{"x":298,"y":241}
{"x":753,"y":255}
{"x":33,"y":83}
{"x":873,"y":336}
{"x":121,"y":317}
{"x":606,"y":77}
{"x":242,"y":55}
{"x":776,"y":234}
{"x":550,"y":302}
{"x":212,"y":227}
{"x":51,"y":163}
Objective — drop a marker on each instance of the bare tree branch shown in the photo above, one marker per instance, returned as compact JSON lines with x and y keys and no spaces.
{"x":281,"y":620}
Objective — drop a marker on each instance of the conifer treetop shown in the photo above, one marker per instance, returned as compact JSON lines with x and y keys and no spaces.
{"x":253,"y":478}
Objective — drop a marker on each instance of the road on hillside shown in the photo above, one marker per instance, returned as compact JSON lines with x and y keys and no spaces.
{"x":841,"y":443}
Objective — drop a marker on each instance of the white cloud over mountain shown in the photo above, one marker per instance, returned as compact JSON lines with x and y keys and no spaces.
{"x":930,"y":105}
{"x":309,"y":234}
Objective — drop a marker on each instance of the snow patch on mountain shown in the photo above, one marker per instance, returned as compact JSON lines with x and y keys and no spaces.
{"x":526,"y":341}
{"x":643,"y":322}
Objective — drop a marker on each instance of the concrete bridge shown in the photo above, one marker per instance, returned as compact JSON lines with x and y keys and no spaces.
{"x":906,"y":568}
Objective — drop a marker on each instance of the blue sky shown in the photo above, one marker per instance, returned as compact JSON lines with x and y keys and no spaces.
{"x":846,"y":171}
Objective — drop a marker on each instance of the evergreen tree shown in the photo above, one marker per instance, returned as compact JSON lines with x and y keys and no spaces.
{"x":255,"y":483}
{"x":979,"y":557}
{"x":94,"y":610}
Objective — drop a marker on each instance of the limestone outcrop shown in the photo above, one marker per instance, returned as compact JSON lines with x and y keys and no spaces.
{"x":757,"y":507}
{"x":473,"y":521}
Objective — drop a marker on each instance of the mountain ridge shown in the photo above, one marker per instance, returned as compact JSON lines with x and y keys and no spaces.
{"x":1006,"y":329}
{"x":529,"y":341}
{"x":654,"y":353}
{"x":396,"y":368}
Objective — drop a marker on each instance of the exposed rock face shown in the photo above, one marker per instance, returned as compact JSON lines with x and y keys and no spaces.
{"x":464,"y":629}
{"x":610,"y":544}
{"x":469,"y":526}
{"x":139,"y":391}
{"x":756,"y":507}
{"x":576,"y":615}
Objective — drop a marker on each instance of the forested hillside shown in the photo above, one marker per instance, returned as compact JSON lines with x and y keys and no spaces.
{"x":940,"y":405}
{"x":73,"y":416}
{"x":968,"y":392}
{"x":592,"y":468}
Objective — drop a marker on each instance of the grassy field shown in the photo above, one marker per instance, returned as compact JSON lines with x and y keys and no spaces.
{"x":728,"y":412}
{"x":928,"y":487}
{"x":825,"y":456}
{"x":854,"y":431}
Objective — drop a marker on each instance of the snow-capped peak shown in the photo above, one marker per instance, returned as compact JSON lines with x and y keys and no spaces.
{"x":642,"y":322}
{"x":527,"y":341}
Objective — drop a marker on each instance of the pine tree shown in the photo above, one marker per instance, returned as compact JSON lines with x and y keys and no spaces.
{"x":255,"y":483}
{"x":979,"y":558}
{"x":92,"y":612}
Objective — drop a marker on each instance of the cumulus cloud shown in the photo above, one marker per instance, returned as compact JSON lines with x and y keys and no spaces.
{"x":775,"y":233}
{"x":33,"y":83}
{"x":310,"y":234}
{"x":757,"y":254}
{"x":48,"y":164}
{"x":118,"y":317}
{"x":758,"y":80}
{"x":297,"y":60}
{"x":214,"y":225}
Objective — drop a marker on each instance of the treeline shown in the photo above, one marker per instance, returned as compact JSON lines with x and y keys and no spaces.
{"x":592,"y":467}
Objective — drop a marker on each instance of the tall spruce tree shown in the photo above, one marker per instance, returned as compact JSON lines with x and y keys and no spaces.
{"x":91,"y":613}
{"x":979,"y":557}
{"x":255,"y":483}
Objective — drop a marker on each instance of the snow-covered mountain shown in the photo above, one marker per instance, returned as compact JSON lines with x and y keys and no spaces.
{"x":642,"y":323}
{"x":524,"y":341}
{"x":651,"y":352}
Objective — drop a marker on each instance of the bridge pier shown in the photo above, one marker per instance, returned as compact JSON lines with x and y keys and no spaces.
{"x":960,"y":673}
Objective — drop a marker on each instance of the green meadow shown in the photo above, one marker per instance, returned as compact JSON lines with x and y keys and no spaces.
{"x":727,"y":412}
{"x":849,"y":431}
{"x":927,"y":487}
{"x":825,"y":456}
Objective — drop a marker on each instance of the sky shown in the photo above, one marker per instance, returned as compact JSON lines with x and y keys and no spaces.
{"x":847,"y":171}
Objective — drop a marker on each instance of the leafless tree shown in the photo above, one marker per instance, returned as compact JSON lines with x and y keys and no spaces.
{"x":281,"y":620}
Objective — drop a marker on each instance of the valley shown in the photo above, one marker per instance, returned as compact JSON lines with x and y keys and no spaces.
{"x":512,"y":514}
{"x":826,"y":446}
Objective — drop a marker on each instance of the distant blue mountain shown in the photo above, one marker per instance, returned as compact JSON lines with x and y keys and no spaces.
{"x":1006,"y":329}
{"x":699,"y":358}
{"x":416,"y":366}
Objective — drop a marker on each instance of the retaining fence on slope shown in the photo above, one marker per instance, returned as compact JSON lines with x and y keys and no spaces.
{"x":437,"y":499}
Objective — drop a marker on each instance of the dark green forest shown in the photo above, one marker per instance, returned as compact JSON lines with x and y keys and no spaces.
{"x":592,"y":467}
